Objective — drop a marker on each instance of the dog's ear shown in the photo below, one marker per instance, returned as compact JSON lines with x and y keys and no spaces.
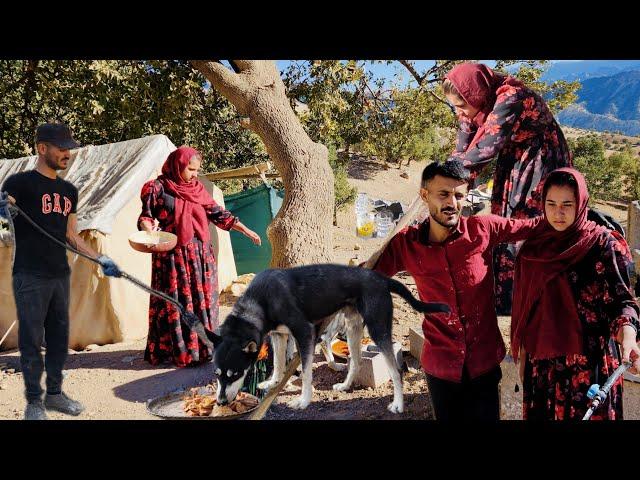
{"x":215,"y":339}
{"x":251,"y":347}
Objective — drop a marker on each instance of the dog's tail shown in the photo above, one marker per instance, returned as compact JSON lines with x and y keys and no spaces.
{"x":431,"y":307}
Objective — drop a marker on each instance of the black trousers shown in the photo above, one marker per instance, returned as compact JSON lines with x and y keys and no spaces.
{"x":475,"y":399}
{"x":43,"y":313}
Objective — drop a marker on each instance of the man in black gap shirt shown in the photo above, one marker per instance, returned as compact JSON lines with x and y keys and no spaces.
{"x":41,"y":271}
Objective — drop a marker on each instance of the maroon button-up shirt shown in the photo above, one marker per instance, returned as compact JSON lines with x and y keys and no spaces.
{"x":458,"y":272}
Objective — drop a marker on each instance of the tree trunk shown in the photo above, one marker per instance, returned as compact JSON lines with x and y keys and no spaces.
{"x":301,"y":233}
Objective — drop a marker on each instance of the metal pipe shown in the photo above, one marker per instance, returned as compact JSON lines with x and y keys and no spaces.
{"x":598,"y":394}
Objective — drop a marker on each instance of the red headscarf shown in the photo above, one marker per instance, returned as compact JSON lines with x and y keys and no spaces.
{"x":544,"y":316}
{"x":191,"y":198}
{"x":478,"y":85}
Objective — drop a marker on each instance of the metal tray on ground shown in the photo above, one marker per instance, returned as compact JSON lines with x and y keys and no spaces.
{"x":171,"y":407}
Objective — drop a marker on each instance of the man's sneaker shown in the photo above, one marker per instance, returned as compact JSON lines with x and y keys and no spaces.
{"x":62,"y":403}
{"x":35,"y":411}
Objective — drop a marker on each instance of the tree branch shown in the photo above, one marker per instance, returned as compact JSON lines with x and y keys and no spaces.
{"x":245,"y":65}
{"x":422,"y":79}
{"x":409,"y":66}
{"x":234,"y":65}
{"x":235,"y":87}
{"x":436,"y":69}
{"x":442,"y":100}
{"x":219,"y":75}
{"x":376,"y":100}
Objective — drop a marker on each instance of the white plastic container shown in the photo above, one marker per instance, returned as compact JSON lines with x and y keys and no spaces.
{"x":384,"y":223}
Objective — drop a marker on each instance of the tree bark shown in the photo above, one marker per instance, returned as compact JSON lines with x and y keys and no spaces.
{"x":301,"y":233}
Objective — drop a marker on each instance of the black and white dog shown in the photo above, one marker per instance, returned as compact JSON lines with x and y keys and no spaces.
{"x":302,"y":301}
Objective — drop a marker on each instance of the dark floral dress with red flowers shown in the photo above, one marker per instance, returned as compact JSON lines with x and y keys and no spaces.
{"x":527,"y":143}
{"x":187,"y":273}
{"x":556,"y":388}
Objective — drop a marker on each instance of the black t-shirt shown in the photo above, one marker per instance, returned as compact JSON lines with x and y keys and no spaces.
{"x":49,"y":203}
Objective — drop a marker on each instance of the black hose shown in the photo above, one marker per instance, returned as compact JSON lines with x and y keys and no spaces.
{"x":190,"y":319}
{"x":51,"y":237}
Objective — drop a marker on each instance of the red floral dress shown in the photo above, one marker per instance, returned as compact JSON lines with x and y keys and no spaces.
{"x":556,"y":388}
{"x":187,"y":273}
{"x":527,"y":143}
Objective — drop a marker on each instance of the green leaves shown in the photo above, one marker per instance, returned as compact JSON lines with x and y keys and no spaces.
{"x":609,"y":178}
{"x":345,"y":194}
{"x":406,"y":126}
{"x":108,"y":101}
{"x":557,"y":95}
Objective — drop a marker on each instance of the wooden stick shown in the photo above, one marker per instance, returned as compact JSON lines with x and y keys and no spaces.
{"x":415,"y":210}
{"x":239,"y":172}
{"x":252,"y":176}
{"x":7,"y":334}
{"x":259,"y":412}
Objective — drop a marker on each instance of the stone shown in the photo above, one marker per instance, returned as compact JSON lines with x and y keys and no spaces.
{"x":631,"y":377}
{"x":356,"y":247}
{"x":373,"y":368}
{"x":416,"y":340}
{"x":236,"y":289}
{"x":245,"y":279}
{"x":404,"y":175}
{"x":398,"y":304}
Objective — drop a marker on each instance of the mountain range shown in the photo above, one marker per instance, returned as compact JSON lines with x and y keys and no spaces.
{"x":585,"y":69}
{"x":609,"y":98}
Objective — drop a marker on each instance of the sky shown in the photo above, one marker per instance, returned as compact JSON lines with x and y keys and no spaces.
{"x":395,"y":70}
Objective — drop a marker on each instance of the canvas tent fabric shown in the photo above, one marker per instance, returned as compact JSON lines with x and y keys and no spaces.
{"x":221,"y":242}
{"x":109,"y":178}
{"x":256,"y":208}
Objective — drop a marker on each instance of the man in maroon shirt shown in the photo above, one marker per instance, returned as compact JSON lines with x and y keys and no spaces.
{"x":450,"y":258}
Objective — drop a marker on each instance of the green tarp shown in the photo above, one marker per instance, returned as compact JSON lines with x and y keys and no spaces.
{"x":255,"y":208}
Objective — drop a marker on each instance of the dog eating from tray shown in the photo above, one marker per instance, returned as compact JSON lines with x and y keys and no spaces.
{"x":197,"y":404}
{"x":304,"y":302}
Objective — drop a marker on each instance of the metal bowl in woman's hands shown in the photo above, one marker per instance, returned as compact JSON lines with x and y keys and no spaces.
{"x":153,"y":242}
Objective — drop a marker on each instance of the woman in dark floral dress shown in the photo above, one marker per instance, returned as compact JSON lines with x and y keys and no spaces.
{"x":574,"y":315}
{"x":500,"y":118}
{"x":182,"y":206}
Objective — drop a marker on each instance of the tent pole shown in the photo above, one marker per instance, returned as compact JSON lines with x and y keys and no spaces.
{"x":7,"y":334}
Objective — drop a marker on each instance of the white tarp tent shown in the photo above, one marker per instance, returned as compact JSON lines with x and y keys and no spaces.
{"x":109,"y":179}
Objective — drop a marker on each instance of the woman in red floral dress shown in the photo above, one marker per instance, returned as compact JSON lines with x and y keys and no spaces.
{"x":500,"y":118}
{"x":574,"y":315}
{"x":182,"y":206}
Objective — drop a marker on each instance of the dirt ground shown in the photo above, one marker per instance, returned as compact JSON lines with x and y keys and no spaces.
{"x":114,"y":381}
